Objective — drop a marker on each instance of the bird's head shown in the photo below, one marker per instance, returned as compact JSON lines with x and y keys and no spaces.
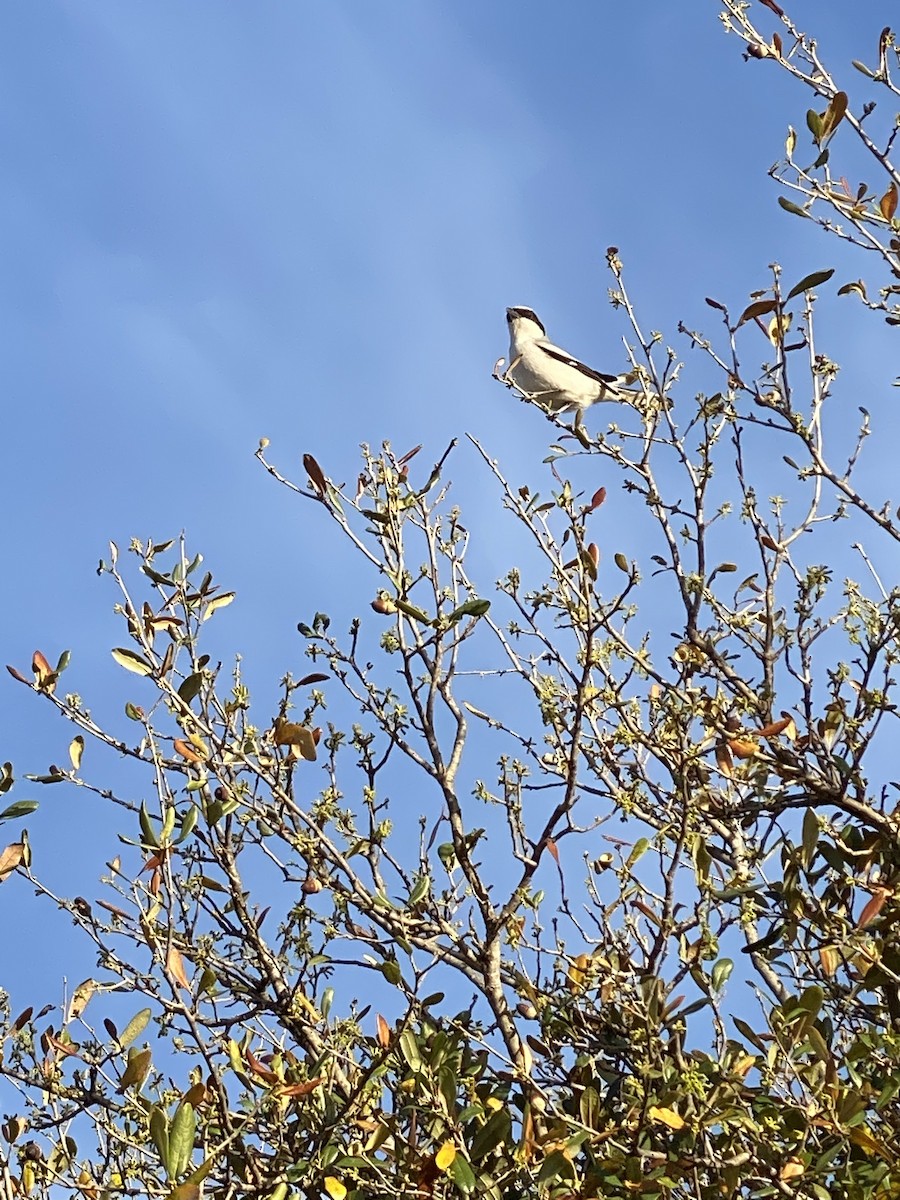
{"x":524,"y":322}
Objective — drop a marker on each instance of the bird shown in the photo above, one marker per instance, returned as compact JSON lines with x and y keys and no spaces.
{"x":552,"y":377}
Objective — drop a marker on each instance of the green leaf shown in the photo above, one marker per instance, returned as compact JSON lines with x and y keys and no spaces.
{"x":21,"y":808}
{"x":808,"y":282}
{"x":471,"y":608}
{"x":759,"y":308}
{"x":640,"y":848}
{"x":791,"y":207}
{"x":811,"y":1000}
{"x":492,"y":1133}
{"x":720,"y":973}
{"x":191,"y":687}
{"x":148,"y":833}
{"x":135,"y":1027}
{"x":159,"y":1135}
{"x":132,"y":662}
{"x":589,"y":1106}
{"x":188,"y":822}
{"x":181,"y":1140}
{"x":462,"y":1174}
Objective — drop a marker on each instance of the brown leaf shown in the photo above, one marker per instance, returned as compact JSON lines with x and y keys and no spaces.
{"x":18,"y":675}
{"x":317,"y":677}
{"x":314,"y":471}
{"x":773,"y":7}
{"x":66,"y":1049}
{"x":724,"y":761}
{"x":301,"y":1089}
{"x":888,"y":202}
{"x":769,"y":542}
{"x":383,"y":1031}
{"x":410,"y":454}
{"x":260,"y":1070}
{"x":597,"y":499}
{"x":554,"y":853}
{"x":175,"y":967}
{"x":776,"y":42}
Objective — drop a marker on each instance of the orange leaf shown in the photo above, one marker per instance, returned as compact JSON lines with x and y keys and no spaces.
{"x":40,"y":666}
{"x":769,"y":731}
{"x":873,"y":908}
{"x":792,"y":1169}
{"x":187,"y":751}
{"x":888,"y":202}
{"x":383,"y":1031}
{"x":175,"y":967}
{"x":724,"y":761}
{"x":743,"y":749}
{"x":554,"y":853}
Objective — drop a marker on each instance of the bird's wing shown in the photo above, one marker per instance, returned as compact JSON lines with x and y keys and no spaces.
{"x":564,"y":357}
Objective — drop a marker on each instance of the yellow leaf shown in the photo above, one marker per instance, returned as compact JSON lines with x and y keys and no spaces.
{"x":577,"y":972}
{"x":219,"y":602}
{"x":829,"y":959}
{"x":335,"y":1188}
{"x":132,"y":662}
{"x":445,"y":1156}
{"x":666,"y":1116}
{"x":76,"y":749}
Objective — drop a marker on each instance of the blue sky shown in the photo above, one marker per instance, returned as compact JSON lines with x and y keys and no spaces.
{"x":305,"y":221}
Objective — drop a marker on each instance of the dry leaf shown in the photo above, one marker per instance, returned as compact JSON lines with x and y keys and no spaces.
{"x":383,"y":1031}
{"x":175,"y":967}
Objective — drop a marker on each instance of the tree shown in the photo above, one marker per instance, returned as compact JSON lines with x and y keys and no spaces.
{"x":593,"y":892}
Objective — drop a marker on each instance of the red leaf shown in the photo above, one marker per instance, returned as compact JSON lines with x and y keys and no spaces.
{"x":314,"y":471}
{"x":597,"y":499}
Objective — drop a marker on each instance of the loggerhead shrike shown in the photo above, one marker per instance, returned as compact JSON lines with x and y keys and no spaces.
{"x":552,"y":377}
